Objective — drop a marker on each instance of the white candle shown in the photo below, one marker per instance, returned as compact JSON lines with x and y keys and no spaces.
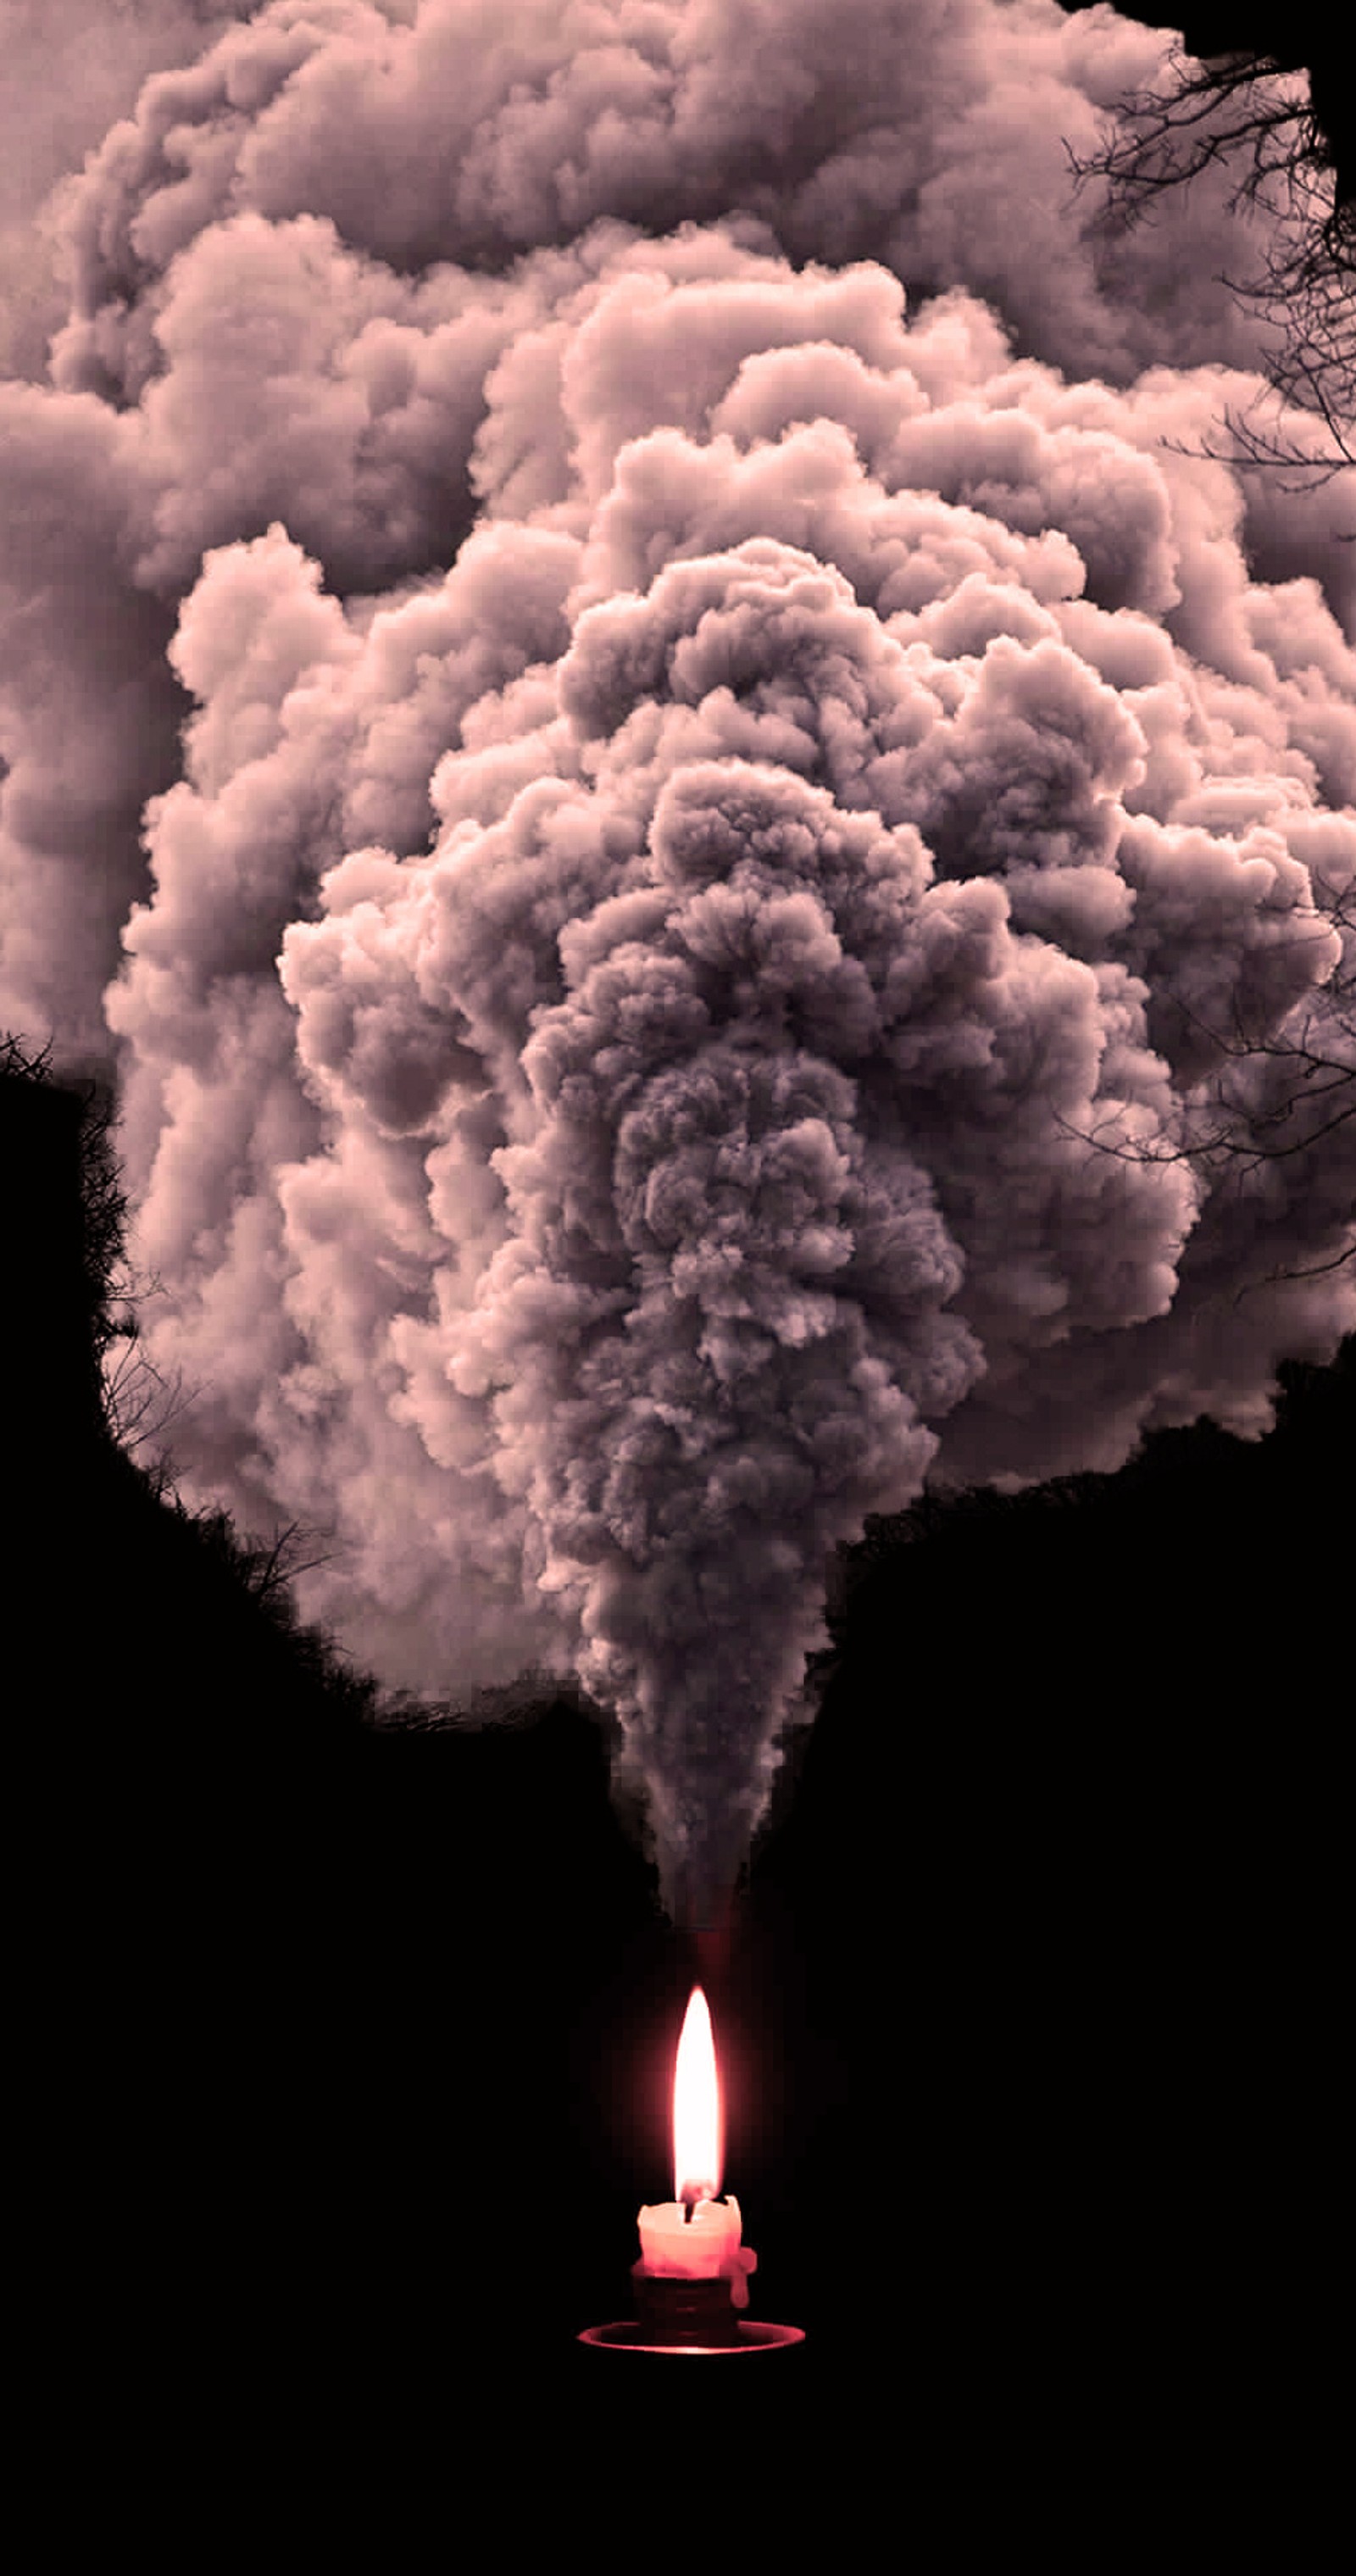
{"x":704,"y":2246}
{"x":689,"y":2249}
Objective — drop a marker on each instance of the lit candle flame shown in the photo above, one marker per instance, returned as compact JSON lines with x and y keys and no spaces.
{"x":697,"y":2141}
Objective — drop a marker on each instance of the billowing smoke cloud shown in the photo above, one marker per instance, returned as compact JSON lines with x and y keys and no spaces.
{"x":70,"y":68}
{"x":737,"y":843}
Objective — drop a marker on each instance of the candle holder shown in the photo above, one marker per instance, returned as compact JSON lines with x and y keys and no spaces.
{"x":690,"y":2316}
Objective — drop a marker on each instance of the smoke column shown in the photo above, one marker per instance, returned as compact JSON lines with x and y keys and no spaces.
{"x":697,"y":847}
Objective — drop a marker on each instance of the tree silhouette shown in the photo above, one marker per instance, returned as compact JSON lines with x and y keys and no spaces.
{"x":1270,"y":100}
{"x":1274,"y":1095}
{"x":1267,"y":101}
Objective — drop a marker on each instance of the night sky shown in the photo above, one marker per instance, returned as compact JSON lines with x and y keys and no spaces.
{"x":700,"y":863}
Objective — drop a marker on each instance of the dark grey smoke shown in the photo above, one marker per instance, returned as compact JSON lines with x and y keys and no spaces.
{"x":732,"y":849}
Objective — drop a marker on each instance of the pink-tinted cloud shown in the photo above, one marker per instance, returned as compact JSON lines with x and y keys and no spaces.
{"x":733,"y":839}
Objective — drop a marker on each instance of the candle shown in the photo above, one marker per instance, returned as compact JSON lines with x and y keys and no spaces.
{"x":700,"y":2248}
{"x":692,"y":2276}
{"x":696,"y":2236}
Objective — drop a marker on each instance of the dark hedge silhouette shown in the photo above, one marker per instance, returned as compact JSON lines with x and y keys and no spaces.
{"x":151,"y":1582}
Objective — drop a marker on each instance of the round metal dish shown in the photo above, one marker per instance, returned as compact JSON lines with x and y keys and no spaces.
{"x":754,"y":2336}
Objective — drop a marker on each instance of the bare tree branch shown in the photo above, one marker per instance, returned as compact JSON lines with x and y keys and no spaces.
{"x":1248,"y":112}
{"x":1234,"y":1134}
